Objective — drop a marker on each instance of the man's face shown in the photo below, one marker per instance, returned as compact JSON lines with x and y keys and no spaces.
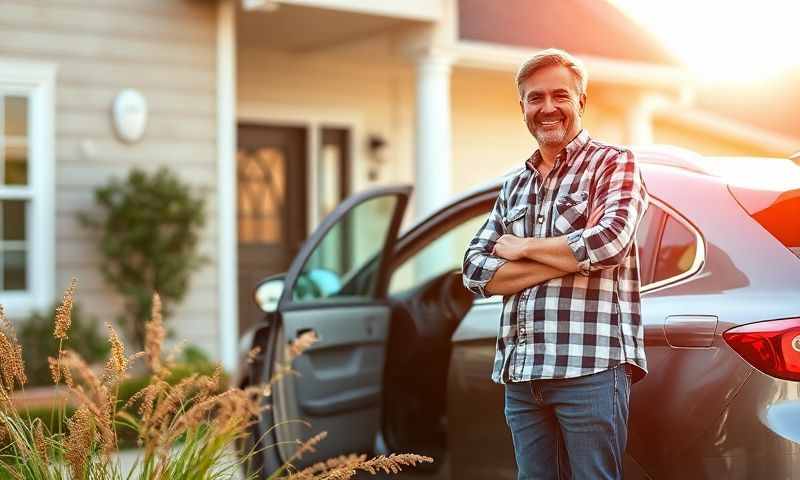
{"x":552,"y":106}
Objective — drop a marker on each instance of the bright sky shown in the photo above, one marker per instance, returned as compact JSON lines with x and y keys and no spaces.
{"x":734,"y":40}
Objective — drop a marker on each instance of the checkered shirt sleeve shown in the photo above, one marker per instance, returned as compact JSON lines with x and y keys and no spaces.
{"x":479,"y":263}
{"x":623,"y":198}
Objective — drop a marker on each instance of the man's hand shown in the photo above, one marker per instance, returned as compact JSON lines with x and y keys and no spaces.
{"x":510,"y":247}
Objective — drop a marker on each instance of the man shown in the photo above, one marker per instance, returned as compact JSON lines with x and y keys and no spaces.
{"x":559,"y":246}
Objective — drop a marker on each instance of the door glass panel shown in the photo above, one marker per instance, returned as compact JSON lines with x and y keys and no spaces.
{"x":358,"y":237}
{"x":443,"y":254}
{"x":261,"y":193}
{"x":329,"y":193}
{"x":677,"y":251}
{"x":332,"y":170}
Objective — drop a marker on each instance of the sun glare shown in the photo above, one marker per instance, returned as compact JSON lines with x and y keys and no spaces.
{"x":734,"y":40}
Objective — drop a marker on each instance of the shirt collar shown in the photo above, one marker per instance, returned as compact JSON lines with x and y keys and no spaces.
{"x":571,"y":150}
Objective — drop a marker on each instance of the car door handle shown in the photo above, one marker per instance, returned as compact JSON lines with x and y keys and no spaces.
{"x":303,"y":331}
{"x":690,"y":331}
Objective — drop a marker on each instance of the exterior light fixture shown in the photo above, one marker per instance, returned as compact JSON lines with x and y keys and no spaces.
{"x":129,"y":115}
{"x":376,"y":145}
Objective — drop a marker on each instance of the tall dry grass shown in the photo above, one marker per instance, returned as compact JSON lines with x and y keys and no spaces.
{"x":185,"y":430}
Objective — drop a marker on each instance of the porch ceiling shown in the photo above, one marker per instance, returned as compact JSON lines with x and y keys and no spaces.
{"x":301,"y":29}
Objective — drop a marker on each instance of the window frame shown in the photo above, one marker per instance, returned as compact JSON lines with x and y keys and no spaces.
{"x":700,"y":248}
{"x":36,"y":81}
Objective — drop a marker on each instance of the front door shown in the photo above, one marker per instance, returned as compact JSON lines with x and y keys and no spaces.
{"x":271,"y":206}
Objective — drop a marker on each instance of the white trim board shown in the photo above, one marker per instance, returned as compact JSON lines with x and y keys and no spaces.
{"x":37,"y":81}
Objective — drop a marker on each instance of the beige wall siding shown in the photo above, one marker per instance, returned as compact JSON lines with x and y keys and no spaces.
{"x":167,"y":50}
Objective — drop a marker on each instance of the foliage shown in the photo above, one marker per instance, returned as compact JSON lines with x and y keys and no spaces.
{"x":186,"y":428}
{"x":148,"y":235}
{"x":36,"y":337}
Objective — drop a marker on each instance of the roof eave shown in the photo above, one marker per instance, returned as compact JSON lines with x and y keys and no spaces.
{"x":491,"y":56}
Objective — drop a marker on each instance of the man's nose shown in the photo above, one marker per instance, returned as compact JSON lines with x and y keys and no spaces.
{"x":548,"y":106}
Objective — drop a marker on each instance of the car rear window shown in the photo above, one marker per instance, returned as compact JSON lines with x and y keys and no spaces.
{"x":768,"y":189}
{"x":777,"y":211}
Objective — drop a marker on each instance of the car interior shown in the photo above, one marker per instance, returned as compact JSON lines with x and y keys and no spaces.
{"x":423,"y":320}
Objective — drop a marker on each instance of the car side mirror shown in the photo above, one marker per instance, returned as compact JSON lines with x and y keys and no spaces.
{"x":268,"y":293}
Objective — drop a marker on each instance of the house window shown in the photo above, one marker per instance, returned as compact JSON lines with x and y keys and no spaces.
{"x":27,"y":211}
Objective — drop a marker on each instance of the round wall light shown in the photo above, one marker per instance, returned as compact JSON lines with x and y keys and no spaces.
{"x":129,"y":114}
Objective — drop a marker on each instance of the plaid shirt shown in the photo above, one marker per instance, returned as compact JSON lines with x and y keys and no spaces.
{"x":583,"y":322}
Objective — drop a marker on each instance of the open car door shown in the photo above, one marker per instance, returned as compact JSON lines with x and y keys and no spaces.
{"x":338,"y":380}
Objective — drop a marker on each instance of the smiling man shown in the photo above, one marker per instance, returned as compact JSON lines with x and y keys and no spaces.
{"x":559,"y":246}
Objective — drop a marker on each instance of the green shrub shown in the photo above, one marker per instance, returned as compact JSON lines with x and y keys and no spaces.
{"x":148,"y":231}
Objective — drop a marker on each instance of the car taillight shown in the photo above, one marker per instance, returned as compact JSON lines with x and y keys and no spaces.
{"x":772,"y":346}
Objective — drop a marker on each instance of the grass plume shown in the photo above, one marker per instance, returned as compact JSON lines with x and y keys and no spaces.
{"x":186,"y":429}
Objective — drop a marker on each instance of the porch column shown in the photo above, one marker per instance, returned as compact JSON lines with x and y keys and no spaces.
{"x":228,"y":327}
{"x":433,"y":148}
{"x":639,"y":118}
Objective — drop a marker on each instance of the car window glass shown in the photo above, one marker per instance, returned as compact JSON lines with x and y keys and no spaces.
{"x":443,"y":254}
{"x":356,"y":239}
{"x":647,"y":242}
{"x":677,"y":251}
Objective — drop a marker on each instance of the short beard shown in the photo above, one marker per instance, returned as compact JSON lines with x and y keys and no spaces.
{"x":547,"y":137}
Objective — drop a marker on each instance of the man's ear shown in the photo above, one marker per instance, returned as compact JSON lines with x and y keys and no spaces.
{"x":583,"y":102}
{"x":522,"y":108}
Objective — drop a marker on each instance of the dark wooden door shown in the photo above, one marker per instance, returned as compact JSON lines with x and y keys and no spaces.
{"x":271,"y":206}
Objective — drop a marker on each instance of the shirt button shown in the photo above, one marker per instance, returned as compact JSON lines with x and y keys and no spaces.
{"x":540,"y":218}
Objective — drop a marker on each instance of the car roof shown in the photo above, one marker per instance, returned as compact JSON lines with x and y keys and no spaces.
{"x":676,"y":158}
{"x":665,"y":155}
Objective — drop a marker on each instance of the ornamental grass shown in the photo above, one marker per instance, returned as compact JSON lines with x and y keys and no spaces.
{"x":185,"y":430}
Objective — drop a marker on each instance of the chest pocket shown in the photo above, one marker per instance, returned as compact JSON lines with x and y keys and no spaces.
{"x":571,"y":213}
{"x":514,"y":221}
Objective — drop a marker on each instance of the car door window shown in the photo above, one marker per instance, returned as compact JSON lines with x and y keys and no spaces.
{"x":442,"y":254}
{"x":357,"y":238}
{"x":677,"y":251}
{"x":647,"y":236}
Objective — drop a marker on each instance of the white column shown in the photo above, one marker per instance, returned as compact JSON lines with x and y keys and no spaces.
{"x":639,"y":118}
{"x":433,"y":148}
{"x":226,"y":185}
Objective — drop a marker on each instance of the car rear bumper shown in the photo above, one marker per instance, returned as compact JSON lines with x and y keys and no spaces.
{"x":757,"y":435}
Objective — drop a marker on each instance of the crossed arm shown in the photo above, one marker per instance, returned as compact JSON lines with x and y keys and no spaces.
{"x":514,"y":263}
{"x":499,"y":263}
{"x":531,"y":261}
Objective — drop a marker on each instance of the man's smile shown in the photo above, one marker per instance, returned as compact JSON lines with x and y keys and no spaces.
{"x":550,"y":122}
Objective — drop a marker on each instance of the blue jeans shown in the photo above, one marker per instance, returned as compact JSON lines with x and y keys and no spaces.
{"x":570,"y":428}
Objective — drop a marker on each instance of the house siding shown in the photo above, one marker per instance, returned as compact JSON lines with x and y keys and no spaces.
{"x":167,"y":50}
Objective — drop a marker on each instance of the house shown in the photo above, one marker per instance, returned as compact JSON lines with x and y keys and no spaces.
{"x":277,"y":110}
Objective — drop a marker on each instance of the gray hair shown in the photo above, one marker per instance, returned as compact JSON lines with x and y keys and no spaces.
{"x":550,"y":57}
